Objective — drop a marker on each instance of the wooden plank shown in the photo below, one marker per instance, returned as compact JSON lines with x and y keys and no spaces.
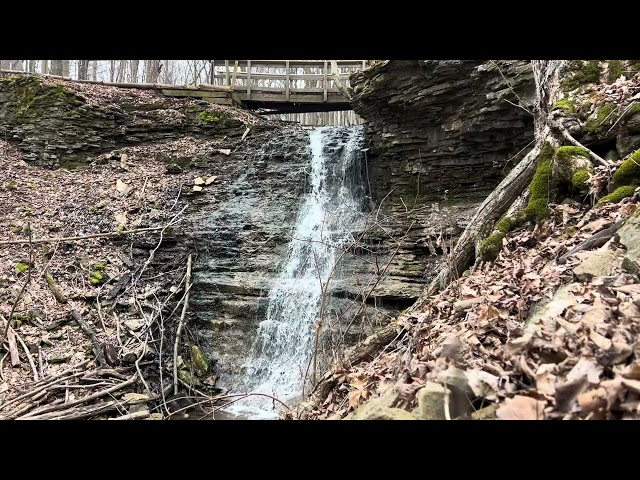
{"x":293,"y":98}
{"x":219,"y":101}
{"x":226,"y":67}
{"x":294,"y":90}
{"x":324,"y":80}
{"x":301,"y":63}
{"x":194,"y":93}
{"x":235,"y":72}
{"x":249,"y":79}
{"x":287,"y":81}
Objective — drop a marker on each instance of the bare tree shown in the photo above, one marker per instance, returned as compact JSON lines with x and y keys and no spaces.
{"x":94,"y":72}
{"x":5,"y":64}
{"x":152,"y":71}
{"x":66,"y":68}
{"x":32,"y":66}
{"x":133,"y":65}
{"x":44,"y":67}
{"x":83,"y":67}
{"x":56,"y":67}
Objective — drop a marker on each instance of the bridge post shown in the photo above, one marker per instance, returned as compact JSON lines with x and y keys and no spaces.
{"x":248,"y":79}
{"x":286,"y":85}
{"x":325,"y":80}
{"x":226,"y":78}
{"x":212,"y":74}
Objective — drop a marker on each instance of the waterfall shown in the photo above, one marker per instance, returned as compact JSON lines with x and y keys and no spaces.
{"x":329,"y":214}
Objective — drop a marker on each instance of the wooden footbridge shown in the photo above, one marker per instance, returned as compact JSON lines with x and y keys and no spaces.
{"x":276,"y":86}
{"x":267,"y":86}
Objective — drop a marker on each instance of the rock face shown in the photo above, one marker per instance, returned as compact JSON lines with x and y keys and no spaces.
{"x":441,"y":135}
{"x":70,"y":124}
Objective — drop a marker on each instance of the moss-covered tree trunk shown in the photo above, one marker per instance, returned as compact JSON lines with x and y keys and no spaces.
{"x":515,"y":183}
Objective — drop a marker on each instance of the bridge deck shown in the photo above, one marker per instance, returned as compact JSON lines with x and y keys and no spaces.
{"x":269,"y":86}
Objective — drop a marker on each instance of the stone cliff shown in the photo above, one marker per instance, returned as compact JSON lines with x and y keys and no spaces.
{"x":441,"y":135}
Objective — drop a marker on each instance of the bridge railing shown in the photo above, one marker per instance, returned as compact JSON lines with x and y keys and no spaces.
{"x":284,"y":76}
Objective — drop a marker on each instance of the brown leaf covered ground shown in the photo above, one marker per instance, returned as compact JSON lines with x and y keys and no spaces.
{"x":579,"y":360}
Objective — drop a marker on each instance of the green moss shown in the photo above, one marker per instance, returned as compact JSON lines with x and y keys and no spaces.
{"x":32,"y":94}
{"x":21,"y":267}
{"x":629,"y":172}
{"x":567,"y":105}
{"x":603,"y":113}
{"x":96,"y":278}
{"x":634,"y":65}
{"x":208,"y":117}
{"x":581,"y":73}
{"x":504,"y":225}
{"x":565,"y":154}
{"x":491,"y":246}
{"x":615,"y":70}
{"x":199,"y":360}
{"x":537,"y":209}
{"x":580,"y":178}
{"x":100,"y":266}
{"x":618,"y":194}
{"x":11,"y":185}
{"x":633,"y":110}
{"x":570,"y":231}
{"x":16,"y":229}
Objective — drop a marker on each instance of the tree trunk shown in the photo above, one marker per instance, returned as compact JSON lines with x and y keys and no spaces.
{"x":112,"y":70}
{"x":32,"y":66}
{"x":17,"y":65}
{"x":66,"y":68}
{"x":56,"y":67}
{"x":134,"y":64}
{"x":94,"y":72}
{"x":44,"y":67}
{"x":83,"y":68}
{"x":122,"y":70}
{"x":463,"y":255}
{"x":152,"y":68}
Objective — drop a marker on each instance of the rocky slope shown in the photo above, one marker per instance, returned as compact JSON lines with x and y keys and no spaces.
{"x":549,"y":329}
{"x":441,"y":135}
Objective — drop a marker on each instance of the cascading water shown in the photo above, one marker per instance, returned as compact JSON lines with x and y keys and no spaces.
{"x":329,"y":213}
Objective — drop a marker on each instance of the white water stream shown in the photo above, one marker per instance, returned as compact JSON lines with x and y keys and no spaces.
{"x":329,"y":213}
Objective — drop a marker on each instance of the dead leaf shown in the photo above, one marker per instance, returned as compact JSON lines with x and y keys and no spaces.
{"x":521,"y":408}
{"x":595,"y":314}
{"x":633,"y":385}
{"x":121,"y":219}
{"x":602,"y":342}
{"x":513,"y":347}
{"x":587,"y":368}
{"x":567,"y":392}
{"x":225,"y":151}
{"x":487,"y":313}
{"x":596,"y":225}
{"x":197,"y":188}
{"x":593,"y":400}
{"x":135,"y":398}
{"x":134,"y":324}
{"x":632,"y":371}
{"x":198,"y":181}
{"x":210,"y":179}
{"x":483,"y":384}
{"x":122,"y":187}
{"x":545,"y":379}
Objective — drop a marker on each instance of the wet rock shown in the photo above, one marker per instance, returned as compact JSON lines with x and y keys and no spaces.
{"x":599,"y":263}
{"x":629,"y":236}
{"x":430,"y":402}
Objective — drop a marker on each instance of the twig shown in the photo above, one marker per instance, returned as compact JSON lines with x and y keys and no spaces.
{"x":40,"y":362}
{"x":565,"y":133}
{"x":2,"y":367}
{"x":447,"y":414}
{"x":185,"y":306}
{"x":29,"y":357}
{"x":57,"y":292}
{"x":89,"y":398}
{"x":84,"y":237}
{"x":512,"y":90}
{"x":13,"y":348}
{"x":97,"y":346}
{"x":133,"y":416}
{"x":15,"y":304}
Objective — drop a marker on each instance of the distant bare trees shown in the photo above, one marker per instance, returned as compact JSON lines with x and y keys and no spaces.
{"x":152,"y":69}
{"x":56,"y":67}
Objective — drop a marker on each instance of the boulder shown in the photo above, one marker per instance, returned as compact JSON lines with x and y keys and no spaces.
{"x":430,"y":402}
{"x":372,"y":411}
{"x":600,"y":263}
{"x":629,"y":236}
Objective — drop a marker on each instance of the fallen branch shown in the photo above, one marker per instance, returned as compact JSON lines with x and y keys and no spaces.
{"x":568,"y":137}
{"x":13,"y":348}
{"x":595,"y":241}
{"x":60,"y":297}
{"x":24,"y":287}
{"x":89,"y":398}
{"x":97,"y":346}
{"x":133,"y":416}
{"x":29,"y":357}
{"x":185,"y":306}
